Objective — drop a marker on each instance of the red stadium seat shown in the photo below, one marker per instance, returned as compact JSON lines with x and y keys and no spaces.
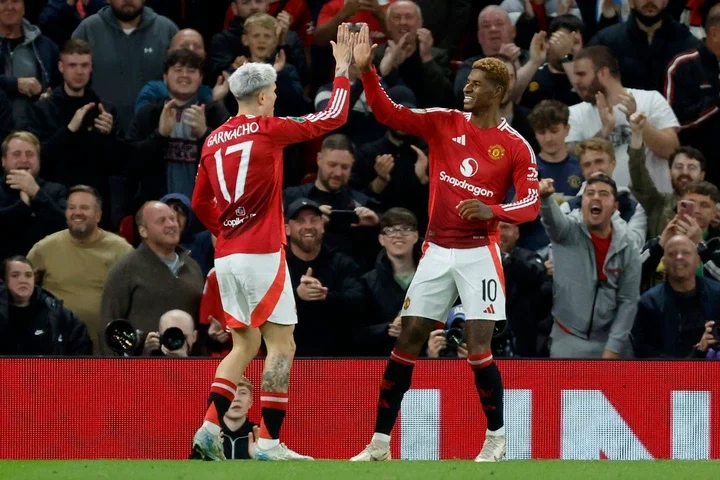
{"x":126,"y":229}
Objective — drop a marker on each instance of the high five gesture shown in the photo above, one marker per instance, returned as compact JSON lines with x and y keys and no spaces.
{"x":363,"y":51}
{"x":343,"y":49}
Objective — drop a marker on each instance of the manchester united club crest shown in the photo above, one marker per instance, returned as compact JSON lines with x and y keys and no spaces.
{"x":406,"y":305}
{"x":496,"y":152}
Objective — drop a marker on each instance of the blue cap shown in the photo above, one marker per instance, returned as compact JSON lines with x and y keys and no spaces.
{"x":456,"y":315}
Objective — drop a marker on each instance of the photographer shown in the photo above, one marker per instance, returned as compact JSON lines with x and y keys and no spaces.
{"x":675,"y":319}
{"x":175,"y":337}
{"x":449,"y":343}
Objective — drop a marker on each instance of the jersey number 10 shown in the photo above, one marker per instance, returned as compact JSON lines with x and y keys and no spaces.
{"x":244,"y":150}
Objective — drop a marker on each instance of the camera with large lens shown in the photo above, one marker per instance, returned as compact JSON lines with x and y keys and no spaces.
{"x":173,"y":339}
{"x":121,"y":337}
{"x":455,"y":331}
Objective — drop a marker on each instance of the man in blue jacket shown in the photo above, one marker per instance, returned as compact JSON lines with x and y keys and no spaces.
{"x":676,"y":319}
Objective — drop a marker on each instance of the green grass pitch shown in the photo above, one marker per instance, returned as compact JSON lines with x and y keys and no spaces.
{"x":340,"y":470}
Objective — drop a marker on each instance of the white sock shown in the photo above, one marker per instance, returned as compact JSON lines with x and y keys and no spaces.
{"x":382,"y":439}
{"x":500,"y":432}
{"x":267,"y":443}
{"x":211,"y":427}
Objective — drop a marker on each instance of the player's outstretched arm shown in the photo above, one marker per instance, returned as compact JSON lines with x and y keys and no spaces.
{"x":203,"y":202}
{"x":298,"y":129}
{"x":418,"y":123}
{"x":525,"y":178}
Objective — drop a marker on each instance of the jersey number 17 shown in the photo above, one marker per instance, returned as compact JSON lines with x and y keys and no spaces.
{"x":243,"y":149}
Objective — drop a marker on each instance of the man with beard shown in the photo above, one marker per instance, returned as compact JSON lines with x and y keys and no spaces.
{"x":30,"y":207}
{"x":596,"y":278}
{"x":606,"y":110}
{"x":129,"y":42}
{"x":331,"y":192}
{"x":156,"y":277}
{"x":73,"y":264}
{"x":76,"y":129}
{"x":657,"y":53}
{"x":325,"y":282}
{"x":687,"y":165}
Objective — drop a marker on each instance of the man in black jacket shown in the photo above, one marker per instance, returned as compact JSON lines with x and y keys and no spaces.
{"x":326,"y":285}
{"x":410,"y":58}
{"x":167,"y":137}
{"x":30,"y":208}
{"x":384,"y":287}
{"x":32,"y":321}
{"x":77,"y":131}
{"x":529,"y":295}
{"x":355,"y":238}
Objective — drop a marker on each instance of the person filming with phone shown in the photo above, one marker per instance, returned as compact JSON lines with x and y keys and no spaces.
{"x":696,"y":209}
{"x":349,"y":216}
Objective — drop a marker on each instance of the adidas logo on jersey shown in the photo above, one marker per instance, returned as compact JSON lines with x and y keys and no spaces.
{"x":490,"y":309}
{"x":460,"y":140}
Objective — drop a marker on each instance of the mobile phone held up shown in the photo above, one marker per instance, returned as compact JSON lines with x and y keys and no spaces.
{"x":344,"y":217}
{"x":686,"y":208}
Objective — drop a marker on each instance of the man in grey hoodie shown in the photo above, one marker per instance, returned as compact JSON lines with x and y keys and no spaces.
{"x":28,"y":59}
{"x":129,"y":43}
{"x":596,"y":285}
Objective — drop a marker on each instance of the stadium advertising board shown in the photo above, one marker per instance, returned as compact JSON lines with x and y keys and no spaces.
{"x":150,"y":408}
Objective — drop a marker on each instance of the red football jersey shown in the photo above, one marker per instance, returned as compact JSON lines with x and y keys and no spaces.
{"x":211,"y":306}
{"x":465,"y":162}
{"x":238,"y":190}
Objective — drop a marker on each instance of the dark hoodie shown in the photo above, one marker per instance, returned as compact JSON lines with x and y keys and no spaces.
{"x":122,"y":63}
{"x":44,"y":327}
{"x":37,"y":57}
{"x":383,"y":299}
{"x":85,"y":157}
{"x":198,"y":243}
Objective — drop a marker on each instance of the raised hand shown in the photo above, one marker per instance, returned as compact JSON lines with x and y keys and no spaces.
{"x":280,"y":60}
{"x":77,"y":119}
{"x":606,"y":114}
{"x":538,"y":48}
{"x":363,"y":50}
{"x":425,"y":39}
{"x":343,"y":49}
{"x":222,"y":87}
{"x":546,"y":187}
{"x":194,"y":117}
{"x":383,"y":166}
{"x":104,"y":121}
{"x":421,"y":165}
{"x":627,"y":104}
{"x":167,"y":119}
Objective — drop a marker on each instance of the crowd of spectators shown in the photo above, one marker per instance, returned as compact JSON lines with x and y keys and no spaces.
{"x":105,"y":106}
